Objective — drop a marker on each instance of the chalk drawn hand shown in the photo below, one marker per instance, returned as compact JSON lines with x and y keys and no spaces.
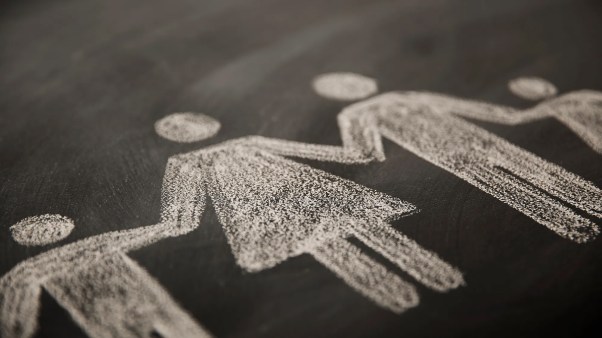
{"x":272,"y":208}
{"x":429,"y":125}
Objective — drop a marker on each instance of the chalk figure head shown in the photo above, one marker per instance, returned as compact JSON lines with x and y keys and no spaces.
{"x":41,"y":230}
{"x":532,"y":88}
{"x":344,"y":86}
{"x":187,"y":127}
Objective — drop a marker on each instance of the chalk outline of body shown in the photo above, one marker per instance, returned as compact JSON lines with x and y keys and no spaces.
{"x":367,"y":140}
{"x":363,"y":124}
{"x":357,"y":269}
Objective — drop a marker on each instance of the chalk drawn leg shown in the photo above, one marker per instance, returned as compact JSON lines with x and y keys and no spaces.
{"x":365,"y":275}
{"x":532,"y":202}
{"x":115,"y":297}
{"x":19,"y":306}
{"x":418,"y":262}
{"x":554,"y":180}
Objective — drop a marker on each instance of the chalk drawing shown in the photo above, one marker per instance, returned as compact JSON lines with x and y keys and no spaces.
{"x":532,"y":88}
{"x":41,"y":230}
{"x":272,"y":208}
{"x":105,"y":292}
{"x":430,"y":126}
{"x":344,"y":86}
{"x":187,"y":127}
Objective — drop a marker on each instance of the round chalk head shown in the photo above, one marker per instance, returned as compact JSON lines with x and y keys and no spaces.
{"x":187,"y":127}
{"x":41,"y":230}
{"x":532,"y":88}
{"x":344,"y":86}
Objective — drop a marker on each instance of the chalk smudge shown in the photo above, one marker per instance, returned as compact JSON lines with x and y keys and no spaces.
{"x":41,"y":230}
{"x":187,"y":127}
{"x":344,"y":86}
{"x":532,"y":88}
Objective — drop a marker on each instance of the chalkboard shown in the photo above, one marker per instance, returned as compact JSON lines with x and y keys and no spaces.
{"x":82,"y":84}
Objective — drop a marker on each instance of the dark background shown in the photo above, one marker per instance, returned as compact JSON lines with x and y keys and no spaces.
{"x":82,"y":82}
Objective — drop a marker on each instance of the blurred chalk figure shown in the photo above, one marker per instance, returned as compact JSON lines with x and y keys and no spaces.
{"x":106,"y":293}
{"x":272,"y":208}
{"x":430,"y":125}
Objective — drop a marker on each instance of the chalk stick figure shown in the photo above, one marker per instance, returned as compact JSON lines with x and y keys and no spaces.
{"x":430,"y":126}
{"x":106,"y":293}
{"x":272,"y":208}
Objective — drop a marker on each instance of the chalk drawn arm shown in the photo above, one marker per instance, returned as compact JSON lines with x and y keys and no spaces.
{"x":358,"y":126}
{"x":183,"y":196}
{"x":580,"y":111}
{"x":306,"y":150}
{"x":475,"y":109}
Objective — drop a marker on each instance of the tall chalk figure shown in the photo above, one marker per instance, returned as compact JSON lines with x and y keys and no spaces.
{"x":431,"y":126}
{"x":272,"y":208}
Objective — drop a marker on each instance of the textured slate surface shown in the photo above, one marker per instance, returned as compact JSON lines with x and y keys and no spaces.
{"x":82,"y":82}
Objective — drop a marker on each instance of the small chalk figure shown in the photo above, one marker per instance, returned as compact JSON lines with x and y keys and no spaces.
{"x":430,"y":126}
{"x":106,"y":293}
{"x":272,"y":208}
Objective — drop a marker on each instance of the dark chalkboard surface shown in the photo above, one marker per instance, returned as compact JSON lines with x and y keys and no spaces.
{"x":83,"y":82}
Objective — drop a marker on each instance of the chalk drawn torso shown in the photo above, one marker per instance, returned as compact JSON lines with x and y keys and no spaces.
{"x":287,"y":204}
{"x":532,"y":88}
{"x":106,"y":292}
